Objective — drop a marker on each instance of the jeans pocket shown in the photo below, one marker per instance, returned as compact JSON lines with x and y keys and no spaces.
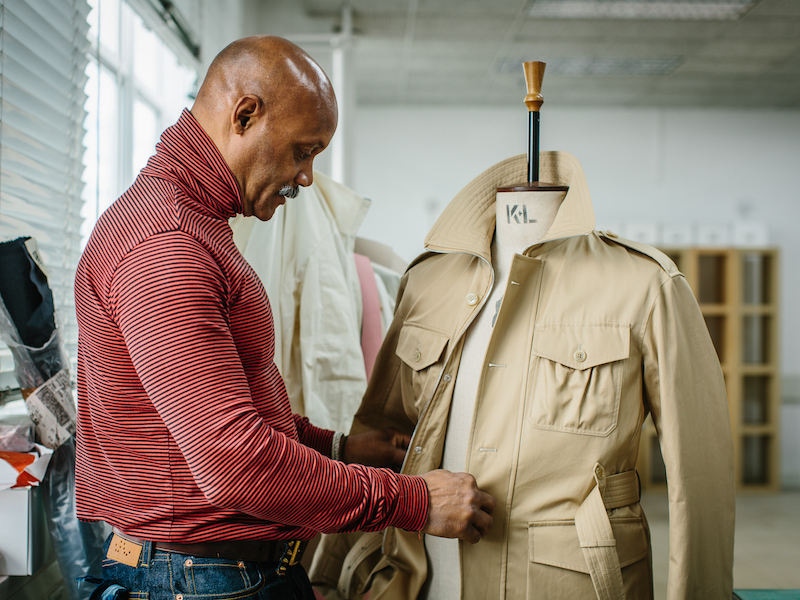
{"x":217,"y":578}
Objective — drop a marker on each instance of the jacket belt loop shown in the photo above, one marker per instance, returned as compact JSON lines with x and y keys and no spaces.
{"x":597,"y":542}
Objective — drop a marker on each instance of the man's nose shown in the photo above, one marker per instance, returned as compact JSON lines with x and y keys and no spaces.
{"x":304,"y":178}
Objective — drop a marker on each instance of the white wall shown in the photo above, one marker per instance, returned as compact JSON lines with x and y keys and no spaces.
{"x":663,"y":166}
{"x":219,"y":23}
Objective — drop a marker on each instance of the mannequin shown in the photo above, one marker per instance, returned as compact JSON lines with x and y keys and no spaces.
{"x":522,"y":219}
{"x":527,"y":349}
{"x":597,"y":333}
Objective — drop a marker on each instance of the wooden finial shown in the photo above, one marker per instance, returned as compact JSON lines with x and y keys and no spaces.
{"x":534,"y":73}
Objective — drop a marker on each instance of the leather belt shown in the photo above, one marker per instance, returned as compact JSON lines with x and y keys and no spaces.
{"x":265,"y":551}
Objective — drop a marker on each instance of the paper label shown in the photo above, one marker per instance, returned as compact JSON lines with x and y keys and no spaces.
{"x":124,"y":551}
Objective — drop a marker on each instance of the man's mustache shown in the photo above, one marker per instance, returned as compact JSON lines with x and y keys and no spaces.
{"x":289,"y":191}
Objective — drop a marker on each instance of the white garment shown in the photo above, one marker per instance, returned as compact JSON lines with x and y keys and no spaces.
{"x":388,"y":283}
{"x":381,"y":254}
{"x":304,"y":258}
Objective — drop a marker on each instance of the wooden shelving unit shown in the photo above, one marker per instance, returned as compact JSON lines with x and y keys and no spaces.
{"x":737,"y":289}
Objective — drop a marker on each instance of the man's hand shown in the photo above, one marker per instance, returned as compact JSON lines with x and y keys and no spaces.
{"x":458,"y":509}
{"x":377,"y":448}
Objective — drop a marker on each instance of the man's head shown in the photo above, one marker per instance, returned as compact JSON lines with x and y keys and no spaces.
{"x":270,"y":109}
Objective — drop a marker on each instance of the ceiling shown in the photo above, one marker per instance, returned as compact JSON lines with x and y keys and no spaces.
{"x":469,"y":52}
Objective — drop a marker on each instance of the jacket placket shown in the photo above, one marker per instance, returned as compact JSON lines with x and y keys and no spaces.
{"x":494,"y":447}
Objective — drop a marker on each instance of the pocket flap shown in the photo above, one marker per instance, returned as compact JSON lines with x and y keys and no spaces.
{"x":582,"y":346}
{"x":419,"y":347}
{"x":555,"y":543}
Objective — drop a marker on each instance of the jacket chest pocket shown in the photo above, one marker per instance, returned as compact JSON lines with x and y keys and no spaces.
{"x":576,"y":377}
{"x":420,"y":349}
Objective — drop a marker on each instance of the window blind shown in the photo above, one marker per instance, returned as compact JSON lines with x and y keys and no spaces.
{"x":43,"y":58}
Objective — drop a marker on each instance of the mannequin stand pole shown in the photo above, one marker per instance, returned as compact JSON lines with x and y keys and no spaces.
{"x":533,"y":146}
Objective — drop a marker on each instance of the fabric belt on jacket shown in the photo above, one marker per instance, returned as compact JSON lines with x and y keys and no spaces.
{"x":594,"y":529}
{"x":127,"y":549}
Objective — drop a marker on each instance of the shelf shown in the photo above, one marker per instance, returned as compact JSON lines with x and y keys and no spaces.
{"x":757,"y":332}
{"x":715,"y":310}
{"x":755,"y":403}
{"x":758,"y":309}
{"x":751,"y":430}
{"x":756,"y":459}
{"x":758,"y":370}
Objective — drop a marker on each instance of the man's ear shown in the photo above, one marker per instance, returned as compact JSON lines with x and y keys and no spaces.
{"x":246,"y":108}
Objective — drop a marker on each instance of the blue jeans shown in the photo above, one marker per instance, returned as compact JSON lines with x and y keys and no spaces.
{"x":163,"y":575}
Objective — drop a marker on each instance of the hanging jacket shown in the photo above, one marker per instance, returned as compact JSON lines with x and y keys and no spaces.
{"x":594,"y":333}
{"x":304,"y":258}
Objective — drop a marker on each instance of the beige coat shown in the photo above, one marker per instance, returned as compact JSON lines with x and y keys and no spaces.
{"x":593,"y":334}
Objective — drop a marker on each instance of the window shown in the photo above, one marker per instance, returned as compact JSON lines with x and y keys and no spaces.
{"x":86,"y":87}
{"x":137,"y":86}
{"x":43,"y":54}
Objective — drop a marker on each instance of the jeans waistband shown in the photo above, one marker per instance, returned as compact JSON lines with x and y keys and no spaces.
{"x":265,"y":551}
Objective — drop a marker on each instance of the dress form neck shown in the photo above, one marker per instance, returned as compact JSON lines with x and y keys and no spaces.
{"x":522,"y":220}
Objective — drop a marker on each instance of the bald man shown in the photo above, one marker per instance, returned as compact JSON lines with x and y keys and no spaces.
{"x":187,"y":445}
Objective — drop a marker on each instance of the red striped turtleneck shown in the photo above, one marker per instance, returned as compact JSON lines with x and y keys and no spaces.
{"x":185,"y":431}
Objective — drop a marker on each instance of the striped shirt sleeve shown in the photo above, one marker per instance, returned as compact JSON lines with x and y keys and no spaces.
{"x":170,"y":298}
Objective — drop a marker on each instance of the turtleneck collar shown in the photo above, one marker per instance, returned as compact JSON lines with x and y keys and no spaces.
{"x":187,"y":157}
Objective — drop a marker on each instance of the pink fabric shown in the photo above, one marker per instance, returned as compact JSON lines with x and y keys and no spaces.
{"x":371,"y":334}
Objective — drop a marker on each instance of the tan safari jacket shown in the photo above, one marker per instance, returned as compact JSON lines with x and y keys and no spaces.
{"x":594,"y":334}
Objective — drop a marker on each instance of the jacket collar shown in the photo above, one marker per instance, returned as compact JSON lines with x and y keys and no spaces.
{"x":347,"y":207}
{"x":467,"y":223}
{"x":187,"y":157}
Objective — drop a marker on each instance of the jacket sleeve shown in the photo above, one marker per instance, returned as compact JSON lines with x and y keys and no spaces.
{"x":686,"y":394}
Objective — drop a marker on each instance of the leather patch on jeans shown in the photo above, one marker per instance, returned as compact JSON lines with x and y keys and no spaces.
{"x":124,"y":551}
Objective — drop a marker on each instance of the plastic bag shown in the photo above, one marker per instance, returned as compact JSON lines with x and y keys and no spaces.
{"x":28,"y":327}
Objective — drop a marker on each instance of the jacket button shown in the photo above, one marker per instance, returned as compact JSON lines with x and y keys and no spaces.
{"x":418,"y":450}
{"x":599,"y":471}
{"x":472,"y":299}
{"x":579,"y":355}
{"x":417,"y":356}
{"x":447,"y":377}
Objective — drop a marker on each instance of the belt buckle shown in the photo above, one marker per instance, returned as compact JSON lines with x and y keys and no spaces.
{"x":292,"y":552}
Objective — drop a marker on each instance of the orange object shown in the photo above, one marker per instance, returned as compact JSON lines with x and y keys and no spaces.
{"x":20,"y":461}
